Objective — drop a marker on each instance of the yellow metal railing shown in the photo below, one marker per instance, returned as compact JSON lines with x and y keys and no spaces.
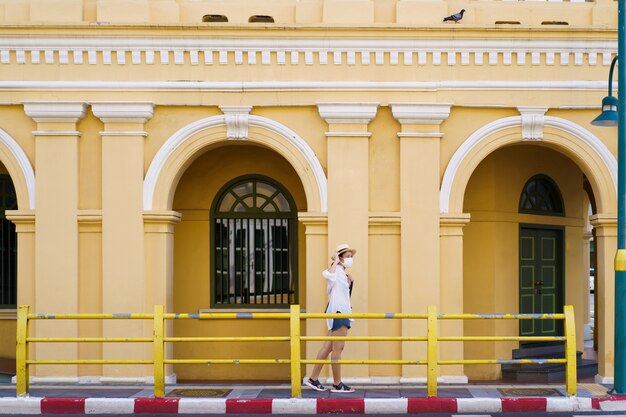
{"x":295,"y":338}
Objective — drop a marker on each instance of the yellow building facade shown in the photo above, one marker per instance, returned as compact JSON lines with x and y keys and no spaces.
{"x":209,"y":155}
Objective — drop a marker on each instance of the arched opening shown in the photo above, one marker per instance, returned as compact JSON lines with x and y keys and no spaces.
{"x":238,"y":247}
{"x":527,"y":205}
{"x":8,"y":244}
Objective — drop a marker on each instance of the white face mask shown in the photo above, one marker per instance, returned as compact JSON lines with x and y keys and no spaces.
{"x":347,"y":263}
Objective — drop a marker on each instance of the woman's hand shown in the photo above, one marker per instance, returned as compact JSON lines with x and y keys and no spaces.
{"x":350,"y":279}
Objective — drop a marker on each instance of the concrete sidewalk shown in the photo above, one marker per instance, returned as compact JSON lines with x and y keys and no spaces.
{"x":249,"y":391}
{"x":276,"y":398}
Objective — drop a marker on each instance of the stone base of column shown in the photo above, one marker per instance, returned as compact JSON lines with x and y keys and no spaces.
{"x":105,"y":380}
{"x":444,"y":379}
{"x":606,"y":380}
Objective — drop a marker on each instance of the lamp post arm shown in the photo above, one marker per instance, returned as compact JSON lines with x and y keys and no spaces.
{"x":615,"y":59}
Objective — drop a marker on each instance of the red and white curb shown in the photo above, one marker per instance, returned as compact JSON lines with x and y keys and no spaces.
{"x":33,"y":405}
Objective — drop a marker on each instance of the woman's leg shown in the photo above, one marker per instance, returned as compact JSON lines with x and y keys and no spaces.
{"x":322,"y":354}
{"x":337,"y":348}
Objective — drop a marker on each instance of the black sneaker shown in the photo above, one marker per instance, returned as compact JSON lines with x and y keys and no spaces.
{"x":316,"y":385}
{"x":341,"y":387}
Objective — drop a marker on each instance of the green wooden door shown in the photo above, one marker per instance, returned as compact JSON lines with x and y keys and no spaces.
{"x":541,"y":279}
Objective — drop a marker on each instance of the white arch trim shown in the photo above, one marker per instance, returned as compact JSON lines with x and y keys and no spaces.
{"x":24,"y":164}
{"x":168,"y":148}
{"x":514,"y":121}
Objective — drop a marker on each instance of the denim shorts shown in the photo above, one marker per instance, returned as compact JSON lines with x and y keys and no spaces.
{"x":339,"y":323}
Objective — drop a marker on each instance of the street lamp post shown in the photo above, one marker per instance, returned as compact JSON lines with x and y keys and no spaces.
{"x":610,"y":117}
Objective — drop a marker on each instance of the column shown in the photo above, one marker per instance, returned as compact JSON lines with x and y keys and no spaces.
{"x":159,"y":271}
{"x":451,"y":269}
{"x":56,"y":228}
{"x":605,"y":226}
{"x":420,"y":138}
{"x":316,"y":235}
{"x":348,"y":203}
{"x":124,"y":286}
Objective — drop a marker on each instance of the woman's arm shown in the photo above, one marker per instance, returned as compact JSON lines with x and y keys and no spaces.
{"x":336,"y":261}
{"x":329,"y":273}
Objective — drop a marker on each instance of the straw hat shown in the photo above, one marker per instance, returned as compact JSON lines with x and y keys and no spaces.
{"x":344,"y":247}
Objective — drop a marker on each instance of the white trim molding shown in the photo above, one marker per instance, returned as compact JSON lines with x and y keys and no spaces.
{"x":419,"y":135}
{"x":57,"y":133}
{"x":533,"y":119}
{"x":167,"y":149}
{"x":25,"y":167}
{"x":55,"y":111}
{"x":357,"y":51}
{"x":348,"y":113}
{"x":317,"y":86}
{"x":237,"y":119}
{"x":475,"y":139}
{"x":421,"y":113}
{"x":123,"y":112}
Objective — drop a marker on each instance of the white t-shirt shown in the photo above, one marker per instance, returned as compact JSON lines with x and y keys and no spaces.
{"x":338,"y":289}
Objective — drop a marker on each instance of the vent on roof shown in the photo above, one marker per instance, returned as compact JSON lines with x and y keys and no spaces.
{"x":507,"y":22}
{"x":554,"y":22}
{"x":214,"y":18}
{"x":261,"y":18}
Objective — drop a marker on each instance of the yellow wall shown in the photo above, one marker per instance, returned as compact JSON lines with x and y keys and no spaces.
{"x":491,"y":246}
{"x":380,"y":174}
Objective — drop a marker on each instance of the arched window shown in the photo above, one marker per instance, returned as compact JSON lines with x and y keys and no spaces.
{"x":541,"y":196}
{"x":8,"y":245}
{"x":254,"y":235}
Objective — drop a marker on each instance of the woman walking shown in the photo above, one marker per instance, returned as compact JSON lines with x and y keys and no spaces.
{"x":339,"y":288}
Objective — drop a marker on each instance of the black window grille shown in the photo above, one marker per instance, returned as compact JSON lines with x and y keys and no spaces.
{"x":8,"y":245}
{"x":254,"y":254}
{"x":541,"y":196}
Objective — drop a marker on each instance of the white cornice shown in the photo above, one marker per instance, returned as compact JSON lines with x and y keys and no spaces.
{"x":55,"y":111}
{"x":421,"y":113}
{"x":303,"y":51}
{"x":264,"y":86}
{"x":347,"y":113}
{"x":123,"y":112}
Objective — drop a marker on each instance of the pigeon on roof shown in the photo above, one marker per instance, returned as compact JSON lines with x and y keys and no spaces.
{"x":455,"y":17}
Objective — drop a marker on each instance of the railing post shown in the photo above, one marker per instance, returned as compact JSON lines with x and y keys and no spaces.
{"x":22,"y":374}
{"x":433,"y":352}
{"x":159,"y":352}
{"x":570,"y":350}
{"x":296,"y":375}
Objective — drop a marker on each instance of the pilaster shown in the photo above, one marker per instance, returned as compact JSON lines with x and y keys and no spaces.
{"x":24,"y":221}
{"x":90,"y":286}
{"x":159,"y":266}
{"x":421,"y":282}
{"x":605,"y":226}
{"x":348,"y":201}
{"x":316,"y":235}
{"x":56,"y":229}
{"x":122,"y":224}
{"x":451,"y":297}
